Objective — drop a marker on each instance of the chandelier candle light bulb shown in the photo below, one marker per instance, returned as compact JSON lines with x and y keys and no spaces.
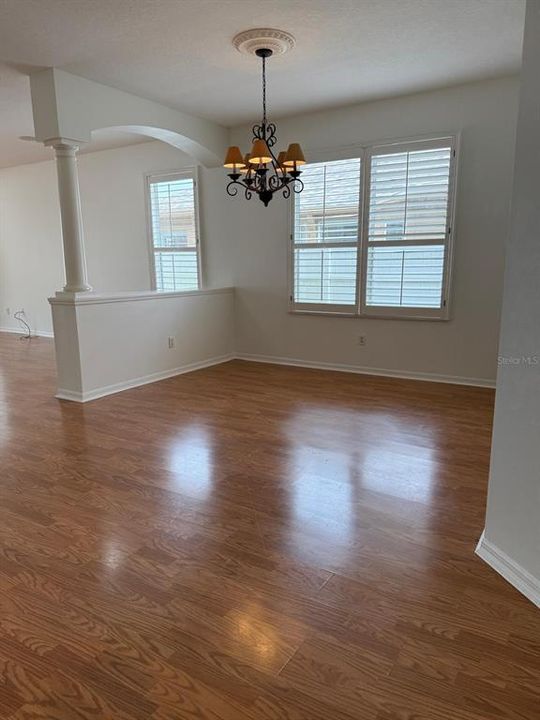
{"x":260,"y":172}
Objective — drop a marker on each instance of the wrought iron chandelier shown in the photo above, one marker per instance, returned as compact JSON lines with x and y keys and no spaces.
{"x":260,"y":172}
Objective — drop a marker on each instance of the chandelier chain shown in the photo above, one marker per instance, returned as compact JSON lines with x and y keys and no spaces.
{"x":264,"y":87}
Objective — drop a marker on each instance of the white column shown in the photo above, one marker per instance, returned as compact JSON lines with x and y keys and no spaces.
{"x":70,"y":210}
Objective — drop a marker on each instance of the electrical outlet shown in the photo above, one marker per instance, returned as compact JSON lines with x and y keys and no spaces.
{"x":362,"y":340}
{"x":171,"y":342}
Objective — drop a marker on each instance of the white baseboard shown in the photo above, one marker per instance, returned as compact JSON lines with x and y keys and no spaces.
{"x":20,"y":331}
{"x":71,"y":395}
{"x":338,"y":367}
{"x":517,"y":576}
{"x":82,"y":397}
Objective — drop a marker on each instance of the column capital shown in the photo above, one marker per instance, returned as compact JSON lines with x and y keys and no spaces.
{"x":64,"y":146}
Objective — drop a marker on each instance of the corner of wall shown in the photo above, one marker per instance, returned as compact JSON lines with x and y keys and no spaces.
{"x":510,"y":570}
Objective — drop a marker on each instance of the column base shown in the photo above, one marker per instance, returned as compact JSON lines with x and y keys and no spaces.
{"x":73,"y":294}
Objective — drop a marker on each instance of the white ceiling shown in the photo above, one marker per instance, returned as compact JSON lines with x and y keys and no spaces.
{"x":179,"y":52}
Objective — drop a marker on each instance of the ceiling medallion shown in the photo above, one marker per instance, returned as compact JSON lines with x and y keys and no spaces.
{"x":278,"y":41}
{"x":260,"y":172}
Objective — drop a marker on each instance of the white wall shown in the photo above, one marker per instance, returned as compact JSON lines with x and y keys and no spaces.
{"x":109,"y":343}
{"x":114,"y":214}
{"x":466,"y":346}
{"x":512,"y":535}
{"x":30,"y":244}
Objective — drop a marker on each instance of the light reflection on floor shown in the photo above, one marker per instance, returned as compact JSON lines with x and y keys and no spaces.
{"x":249,"y":628}
{"x":191,"y":462}
{"x":392,"y":458}
{"x":114,"y":554}
{"x":413,"y":476}
{"x":4,"y":417}
{"x":315,"y":498}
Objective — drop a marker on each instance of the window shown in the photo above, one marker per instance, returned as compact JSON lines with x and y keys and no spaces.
{"x":174,"y":231}
{"x":326,"y":222}
{"x":376,"y":240}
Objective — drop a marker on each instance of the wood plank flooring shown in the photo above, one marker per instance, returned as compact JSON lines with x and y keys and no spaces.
{"x":251,"y":542}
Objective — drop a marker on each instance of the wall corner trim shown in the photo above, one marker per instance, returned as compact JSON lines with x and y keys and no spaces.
{"x":513,"y":573}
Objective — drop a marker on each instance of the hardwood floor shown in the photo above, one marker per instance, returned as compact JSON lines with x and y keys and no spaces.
{"x":251,"y":542}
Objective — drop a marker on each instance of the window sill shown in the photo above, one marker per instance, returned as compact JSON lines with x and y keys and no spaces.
{"x":371,"y":316}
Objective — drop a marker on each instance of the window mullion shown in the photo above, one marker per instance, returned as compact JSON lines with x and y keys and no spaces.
{"x":363,"y":229}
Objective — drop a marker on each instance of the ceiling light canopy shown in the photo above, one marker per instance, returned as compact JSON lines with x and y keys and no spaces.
{"x":260,"y":172}
{"x":278,"y":41}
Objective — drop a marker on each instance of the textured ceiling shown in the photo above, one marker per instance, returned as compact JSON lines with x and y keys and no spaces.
{"x":179,"y":52}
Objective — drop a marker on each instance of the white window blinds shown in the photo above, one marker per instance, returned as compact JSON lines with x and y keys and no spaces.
{"x":391,"y":258}
{"x":407,"y":228}
{"x":174,"y":231}
{"x":325,"y":234}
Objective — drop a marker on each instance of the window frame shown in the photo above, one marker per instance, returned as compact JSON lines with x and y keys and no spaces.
{"x":326,"y":308}
{"x":360,"y":309}
{"x":191,"y":172}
